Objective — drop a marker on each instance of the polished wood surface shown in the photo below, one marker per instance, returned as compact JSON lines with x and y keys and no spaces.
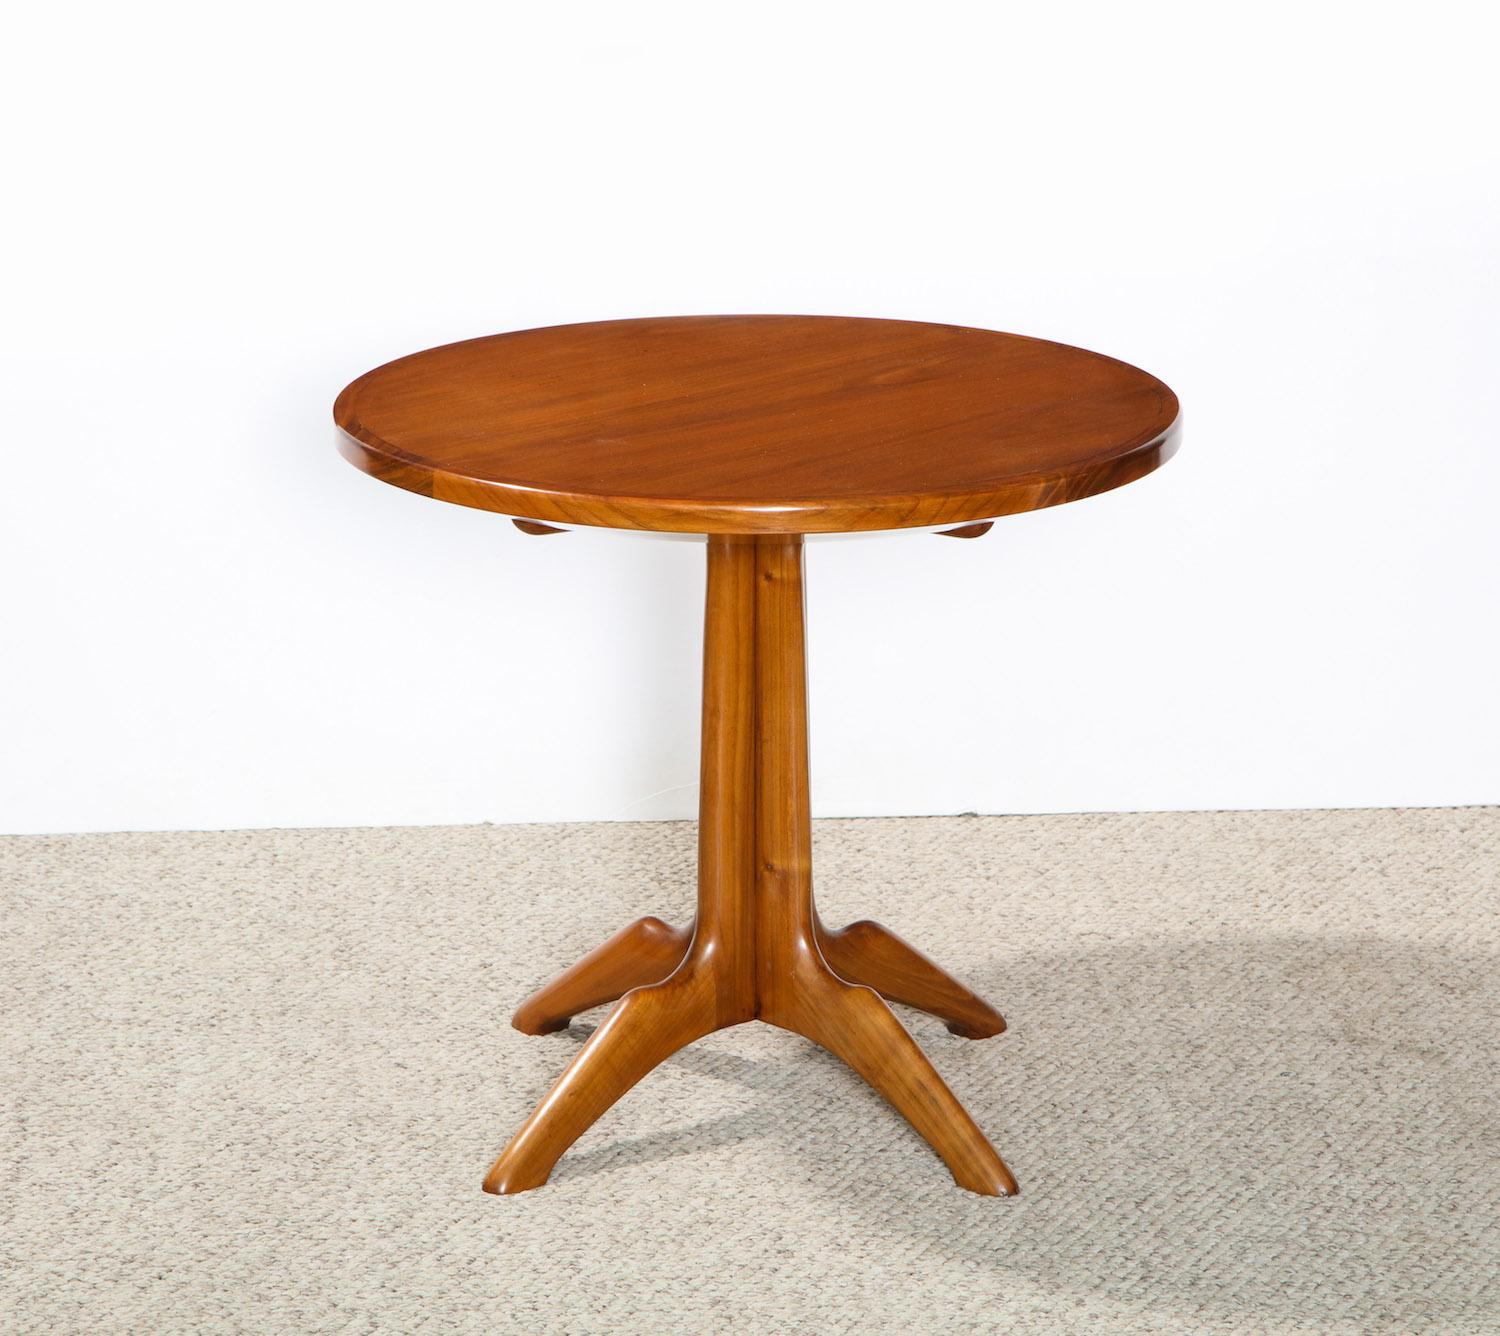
{"x":542,"y":530}
{"x":757,"y":424}
{"x":865,"y":952}
{"x":968,"y":530}
{"x":869,"y":953}
{"x":756,"y":430}
{"x":757,"y":949}
{"x":645,"y":951}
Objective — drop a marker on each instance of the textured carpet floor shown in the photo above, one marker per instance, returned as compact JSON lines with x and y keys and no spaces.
{"x":251,"y":1082}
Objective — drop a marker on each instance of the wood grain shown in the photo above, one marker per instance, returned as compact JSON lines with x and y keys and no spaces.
{"x":757,"y":424}
{"x":867,"y":952}
{"x":645,"y":951}
{"x":756,"y":430}
{"x":756,"y":949}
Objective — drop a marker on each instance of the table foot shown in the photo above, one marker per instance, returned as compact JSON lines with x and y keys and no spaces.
{"x":854,"y":1023}
{"x":643,"y":953}
{"x":648,"y":1026}
{"x":850,"y":1020}
{"x":871,"y":954}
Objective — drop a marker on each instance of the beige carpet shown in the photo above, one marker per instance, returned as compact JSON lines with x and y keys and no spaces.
{"x":251,"y":1081}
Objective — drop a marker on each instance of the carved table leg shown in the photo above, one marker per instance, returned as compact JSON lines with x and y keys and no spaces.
{"x":757,"y":948}
{"x":644,"y":952}
{"x":797,"y":989}
{"x":714,"y":986}
{"x":868,"y":953}
{"x":649,"y":1024}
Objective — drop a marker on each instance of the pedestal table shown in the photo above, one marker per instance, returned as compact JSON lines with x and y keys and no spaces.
{"x":756,"y":431}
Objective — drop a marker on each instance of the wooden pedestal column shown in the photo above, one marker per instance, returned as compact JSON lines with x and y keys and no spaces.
{"x":756,"y":950}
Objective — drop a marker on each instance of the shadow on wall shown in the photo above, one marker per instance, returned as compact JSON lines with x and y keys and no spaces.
{"x":1300,"y":1128}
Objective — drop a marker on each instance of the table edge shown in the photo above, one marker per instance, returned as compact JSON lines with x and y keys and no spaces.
{"x":848,"y":514}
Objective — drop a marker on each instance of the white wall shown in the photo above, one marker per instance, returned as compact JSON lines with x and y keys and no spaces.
{"x":219,"y":216}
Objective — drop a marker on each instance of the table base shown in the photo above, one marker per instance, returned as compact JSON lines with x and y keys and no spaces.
{"x":756,"y":950}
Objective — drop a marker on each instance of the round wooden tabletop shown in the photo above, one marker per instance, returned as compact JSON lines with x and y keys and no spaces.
{"x":757,"y":424}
